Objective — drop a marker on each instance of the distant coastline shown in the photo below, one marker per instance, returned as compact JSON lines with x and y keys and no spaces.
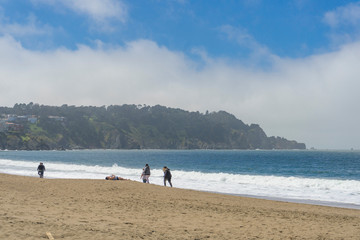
{"x":40,"y":127}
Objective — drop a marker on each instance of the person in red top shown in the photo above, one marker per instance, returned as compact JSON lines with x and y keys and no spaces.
{"x":113,"y":177}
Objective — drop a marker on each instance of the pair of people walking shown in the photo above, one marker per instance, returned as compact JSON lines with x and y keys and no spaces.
{"x":146,"y":174}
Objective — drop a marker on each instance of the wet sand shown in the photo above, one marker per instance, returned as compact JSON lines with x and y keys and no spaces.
{"x":99,"y":209}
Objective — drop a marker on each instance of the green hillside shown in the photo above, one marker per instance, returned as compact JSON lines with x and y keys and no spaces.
{"x":34,"y":127}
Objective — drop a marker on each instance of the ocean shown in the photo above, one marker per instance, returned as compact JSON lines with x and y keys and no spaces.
{"x":329,"y":178}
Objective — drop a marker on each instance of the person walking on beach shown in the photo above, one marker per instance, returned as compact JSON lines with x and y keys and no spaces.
{"x":167,"y":176}
{"x":41,"y":170}
{"x":146,"y":174}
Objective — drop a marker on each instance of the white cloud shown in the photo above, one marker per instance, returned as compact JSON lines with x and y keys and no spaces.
{"x":100,"y":11}
{"x":31,"y":28}
{"x":345,"y":15}
{"x":259,"y":52}
{"x":313,"y":100}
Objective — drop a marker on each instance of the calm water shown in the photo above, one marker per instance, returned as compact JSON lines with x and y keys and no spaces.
{"x":326,"y":177}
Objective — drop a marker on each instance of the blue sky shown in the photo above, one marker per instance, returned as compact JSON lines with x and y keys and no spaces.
{"x":295,"y":28}
{"x":287,"y":28}
{"x":290,"y":66}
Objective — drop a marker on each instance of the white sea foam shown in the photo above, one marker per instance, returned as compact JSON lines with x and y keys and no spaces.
{"x":312,"y":189}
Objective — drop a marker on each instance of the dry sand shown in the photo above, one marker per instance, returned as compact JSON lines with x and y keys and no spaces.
{"x":100,"y":209}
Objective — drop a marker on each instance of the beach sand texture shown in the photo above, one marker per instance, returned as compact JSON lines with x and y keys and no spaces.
{"x":99,"y":209}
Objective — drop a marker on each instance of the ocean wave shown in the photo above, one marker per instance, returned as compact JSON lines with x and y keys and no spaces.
{"x":317,"y":189}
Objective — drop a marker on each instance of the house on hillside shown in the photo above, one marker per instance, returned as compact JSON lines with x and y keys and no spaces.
{"x":32,"y":119}
{"x":57,"y":118}
{"x":13,"y":127}
{"x":11,"y":117}
{"x":21,"y":119}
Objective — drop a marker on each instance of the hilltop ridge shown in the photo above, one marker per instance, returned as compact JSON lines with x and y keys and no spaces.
{"x":40,"y":127}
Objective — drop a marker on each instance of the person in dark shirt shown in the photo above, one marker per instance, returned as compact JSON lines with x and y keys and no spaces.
{"x":167,"y":176}
{"x":41,"y":170}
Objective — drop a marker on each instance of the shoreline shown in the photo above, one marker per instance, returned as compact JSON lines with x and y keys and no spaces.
{"x":100,"y":209}
{"x":280,"y":199}
{"x":304,"y":201}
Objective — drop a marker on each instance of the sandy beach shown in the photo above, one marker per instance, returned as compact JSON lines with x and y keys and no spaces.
{"x":99,"y":209}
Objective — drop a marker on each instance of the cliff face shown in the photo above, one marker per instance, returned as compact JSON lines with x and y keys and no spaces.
{"x":130,"y":127}
{"x":241,"y":136}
